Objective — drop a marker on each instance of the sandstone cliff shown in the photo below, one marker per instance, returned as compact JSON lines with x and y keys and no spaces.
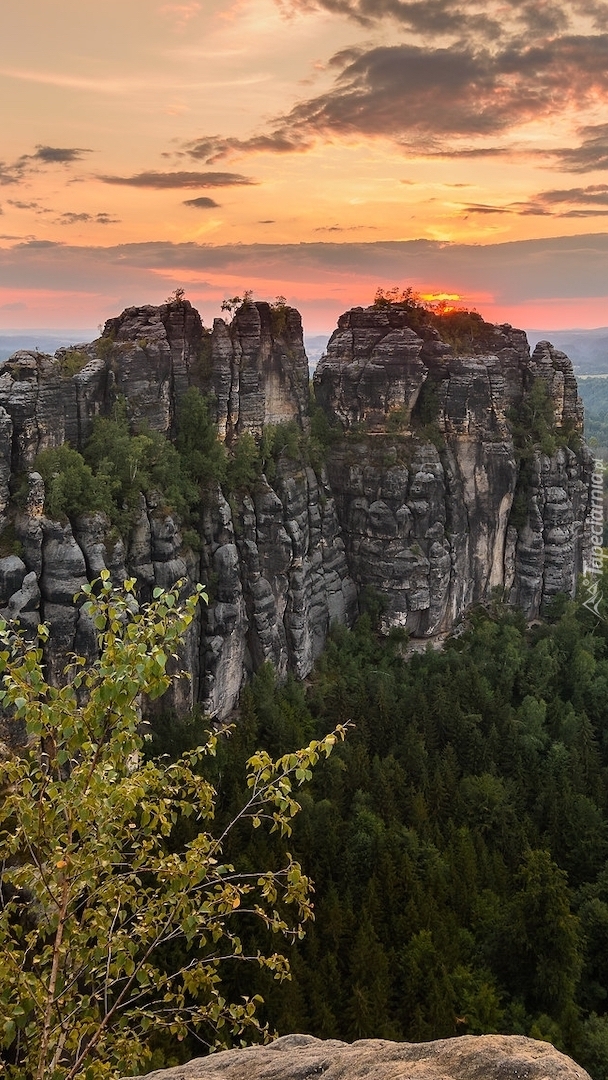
{"x":301,"y":1057}
{"x":425,"y":494}
{"x":427,"y":516}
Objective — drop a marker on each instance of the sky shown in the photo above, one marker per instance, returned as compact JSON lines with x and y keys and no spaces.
{"x":311,"y":149}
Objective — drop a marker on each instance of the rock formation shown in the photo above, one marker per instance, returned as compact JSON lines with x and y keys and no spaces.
{"x":427,"y":513}
{"x":302,"y":1057}
{"x":424,"y":496}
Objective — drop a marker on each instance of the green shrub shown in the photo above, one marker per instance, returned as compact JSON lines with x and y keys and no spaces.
{"x":245,"y":465}
{"x":533,"y":424}
{"x":72,"y":361}
{"x":202,"y":455}
{"x":278,"y":316}
{"x":397,"y":419}
{"x":10,"y":543}
{"x":71,"y":488}
{"x":104,"y":347}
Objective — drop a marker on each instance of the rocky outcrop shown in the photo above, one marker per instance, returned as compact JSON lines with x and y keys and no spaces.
{"x":259,"y":369}
{"x":427,"y":512}
{"x":279,"y":577}
{"x":424,"y":498}
{"x":302,"y":1057}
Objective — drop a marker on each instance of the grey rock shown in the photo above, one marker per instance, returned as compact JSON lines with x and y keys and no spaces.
{"x":259,"y":369}
{"x":302,"y":1057}
{"x":398,"y":499}
{"x":12,"y":573}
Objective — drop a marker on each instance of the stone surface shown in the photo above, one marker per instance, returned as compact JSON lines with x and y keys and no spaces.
{"x":302,"y":1057}
{"x":259,"y":369}
{"x":428,"y":524}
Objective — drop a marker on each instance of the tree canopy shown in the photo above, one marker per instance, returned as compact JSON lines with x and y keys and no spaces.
{"x":115,"y":921}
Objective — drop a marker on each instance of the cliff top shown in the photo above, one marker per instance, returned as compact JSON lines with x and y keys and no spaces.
{"x":302,"y":1057}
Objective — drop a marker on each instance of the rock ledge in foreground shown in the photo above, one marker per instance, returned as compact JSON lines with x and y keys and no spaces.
{"x":302,"y":1057}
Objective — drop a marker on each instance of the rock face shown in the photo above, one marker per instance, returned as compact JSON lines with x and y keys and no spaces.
{"x":426,"y":512}
{"x":259,"y":369}
{"x":424,"y":496}
{"x":301,"y":1057}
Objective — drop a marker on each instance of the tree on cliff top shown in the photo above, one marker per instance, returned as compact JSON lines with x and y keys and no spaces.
{"x":110,"y":928}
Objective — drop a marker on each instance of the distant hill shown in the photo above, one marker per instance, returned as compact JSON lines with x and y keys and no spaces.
{"x":315,"y":347}
{"x":588,"y":349}
{"x":44,"y":340}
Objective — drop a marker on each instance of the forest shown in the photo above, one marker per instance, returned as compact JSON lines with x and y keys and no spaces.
{"x":458,"y":839}
{"x":594,"y":392}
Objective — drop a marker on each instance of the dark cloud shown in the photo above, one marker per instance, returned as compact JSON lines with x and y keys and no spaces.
{"x":594,"y":194}
{"x":591,"y":201}
{"x":456,"y":91}
{"x":71,"y":218}
{"x":163,"y":180}
{"x":590,"y":155}
{"x":431,"y":17}
{"x":39,"y":245}
{"x":37,"y":207}
{"x":489,"y":21}
{"x":58,"y":155}
{"x":43,"y":155}
{"x":213,"y":147}
{"x":10,"y":174}
{"x":425,"y":98}
{"x":479,"y":208}
{"x":267,"y":221}
{"x":202,"y":203}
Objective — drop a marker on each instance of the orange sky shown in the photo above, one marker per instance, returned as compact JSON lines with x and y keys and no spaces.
{"x":310,"y":148}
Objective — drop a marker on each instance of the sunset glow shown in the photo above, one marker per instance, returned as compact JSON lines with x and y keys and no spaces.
{"x":307,"y":148}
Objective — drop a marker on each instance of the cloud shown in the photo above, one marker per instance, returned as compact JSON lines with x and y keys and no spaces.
{"x":590,"y":155}
{"x":424,"y":17}
{"x":37,"y":207}
{"x":480,"y":208}
{"x":426,"y":99}
{"x":10,"y":174}
{"x":202,"y":203}
{"x":165,"y":180}
{"x":57,"y":155}
{"x":71,"y":218}
{"x":489,"y":21}
{"x":43,"y":155}
{"x":212,"y":148}
{"x":514,"y":272}
{"x":579,"y":202}
{"x":591,"y":201}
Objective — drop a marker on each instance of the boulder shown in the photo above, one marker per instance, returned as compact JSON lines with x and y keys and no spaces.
{"x":302,"y":1057}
